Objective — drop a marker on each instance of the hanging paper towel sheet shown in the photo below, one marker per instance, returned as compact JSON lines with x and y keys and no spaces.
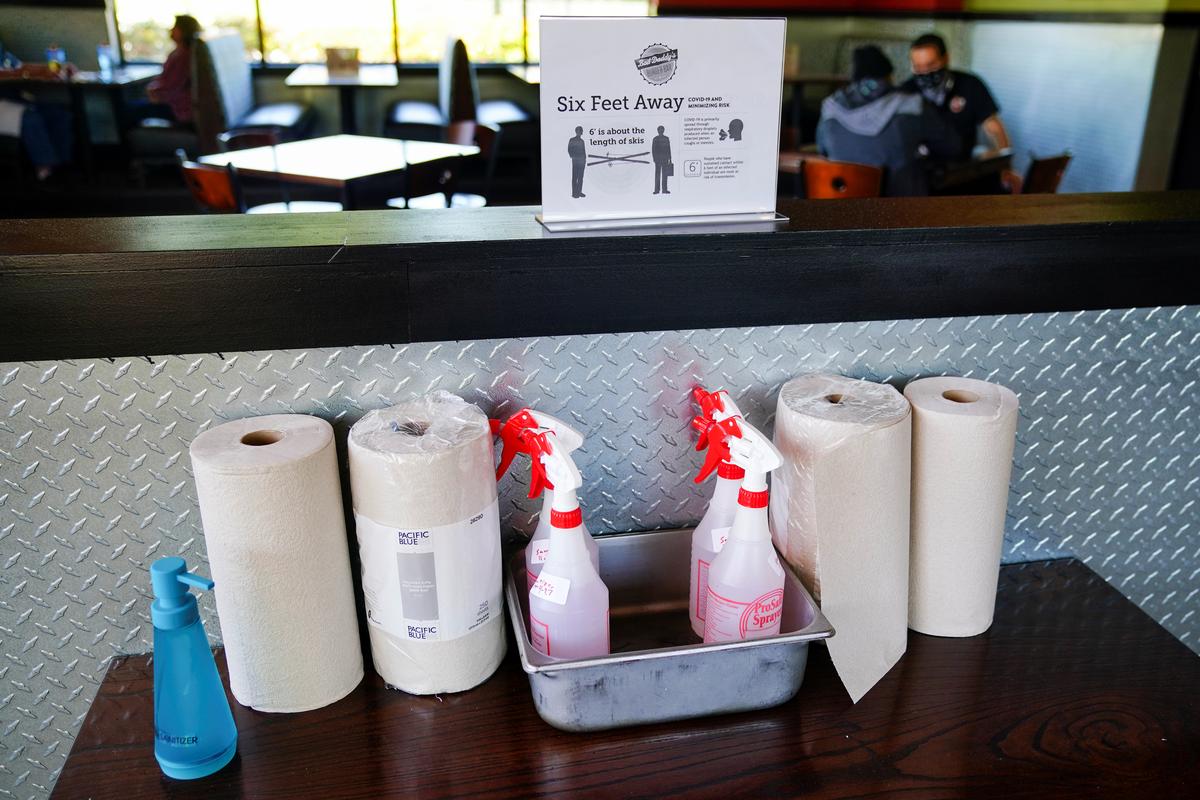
{"x":840,"y":514}
{"x":422,"y":476}
{"x":964,"y":431}
{"x":271,"y":505}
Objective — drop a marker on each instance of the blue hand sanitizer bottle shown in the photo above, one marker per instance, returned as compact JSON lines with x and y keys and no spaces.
{"x":194,"y":734}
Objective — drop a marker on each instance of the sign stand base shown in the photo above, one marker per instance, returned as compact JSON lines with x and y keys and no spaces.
{"x":734,"y":221}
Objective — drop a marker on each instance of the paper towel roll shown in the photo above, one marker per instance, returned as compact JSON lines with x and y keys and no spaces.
{"x":963,"y":436}
{"x":840,"y":514}
{"x":423,"y":480}
{"x":271,"y":504}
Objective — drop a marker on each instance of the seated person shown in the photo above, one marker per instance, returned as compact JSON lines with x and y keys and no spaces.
{"x":962,"y":97}
{"x":871,"y":122}
{"x":43,"y":128}
{"x":173,"y":88}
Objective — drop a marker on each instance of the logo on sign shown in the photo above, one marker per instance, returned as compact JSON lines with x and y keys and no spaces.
{"x":657,"y":63}
{"x":762,"y":614}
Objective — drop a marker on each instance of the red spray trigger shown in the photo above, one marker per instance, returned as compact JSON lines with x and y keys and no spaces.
{"x":510,"y":437}
{"x":535,"y":444}
{"x":716,"y":434}
{"x":708,"y":401}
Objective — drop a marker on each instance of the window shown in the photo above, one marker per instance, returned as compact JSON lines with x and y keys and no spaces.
{"x":577,"y":8}
{"x":144,"y":25}
{"x":298,"y":31}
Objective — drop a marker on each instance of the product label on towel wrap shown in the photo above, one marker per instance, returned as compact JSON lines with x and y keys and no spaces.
{"x":435,"y":583}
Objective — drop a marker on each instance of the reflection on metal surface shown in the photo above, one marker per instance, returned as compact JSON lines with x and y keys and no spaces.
{"x":95,"y":481}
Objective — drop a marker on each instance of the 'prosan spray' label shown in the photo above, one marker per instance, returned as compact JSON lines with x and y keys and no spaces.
{"x":435,"y":583}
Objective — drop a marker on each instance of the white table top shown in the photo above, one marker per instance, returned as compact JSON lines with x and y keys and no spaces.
{"x":318,"y":75}
{"x":333,"y":160}
{"x":531,"y":74}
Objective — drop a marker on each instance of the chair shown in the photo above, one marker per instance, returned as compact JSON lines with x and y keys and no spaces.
{"x":438,"y":186}
{"x":458,"y":101}
{"x":832,"y":180}
{"x":1045,"y":174}
{"x":428,"y":185}
{"x":215,"y":189}
{"x":222,"y":100}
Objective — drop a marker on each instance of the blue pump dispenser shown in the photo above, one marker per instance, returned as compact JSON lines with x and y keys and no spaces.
{"x":194,"y":734}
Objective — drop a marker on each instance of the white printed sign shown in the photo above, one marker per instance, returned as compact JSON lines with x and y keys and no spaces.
{"x":660,"y":117}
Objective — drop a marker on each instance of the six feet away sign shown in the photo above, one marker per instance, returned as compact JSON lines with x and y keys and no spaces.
{"x":657,"y":120}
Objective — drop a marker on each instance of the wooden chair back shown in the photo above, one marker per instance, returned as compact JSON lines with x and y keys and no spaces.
{"x":832,"y":180}
{"x":215,"y":189}
{"x":1045,"y":174}
{"x":431,"y":177}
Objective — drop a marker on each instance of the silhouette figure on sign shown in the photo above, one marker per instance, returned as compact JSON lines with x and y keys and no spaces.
{"x":578,"y":154}
{"x":735,"y":131}
{"x":660,"y":151}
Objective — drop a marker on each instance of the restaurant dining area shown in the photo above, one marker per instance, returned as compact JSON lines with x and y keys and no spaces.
{"x":231,"y":106}
{"x":599,"y":398}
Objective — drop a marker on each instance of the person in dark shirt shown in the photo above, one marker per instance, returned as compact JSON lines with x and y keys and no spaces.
{"x":871,"y":122}
{"x":962,"y":97}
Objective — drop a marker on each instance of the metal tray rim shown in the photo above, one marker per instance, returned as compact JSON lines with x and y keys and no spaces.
{"x":819,"y":628}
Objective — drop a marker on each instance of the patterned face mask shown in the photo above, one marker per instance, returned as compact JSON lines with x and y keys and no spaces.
{"x":931,"y":81}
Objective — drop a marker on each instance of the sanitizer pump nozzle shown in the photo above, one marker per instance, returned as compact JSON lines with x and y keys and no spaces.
{"x":511,"y":442}
{"x":745,"y":581}
{"x":194,"y":733}
{"x":713,"y":529}
{"x":568,"y":604}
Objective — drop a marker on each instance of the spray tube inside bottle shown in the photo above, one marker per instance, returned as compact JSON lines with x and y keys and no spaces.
{"x":713,"y":529}
{"x":512,"y":443}
{"x":745,"y":581}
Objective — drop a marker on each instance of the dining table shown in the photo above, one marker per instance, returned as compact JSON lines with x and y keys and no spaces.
{"x":318,"y":76}
{"x":343,"y":161}
{"x":113,"y":84}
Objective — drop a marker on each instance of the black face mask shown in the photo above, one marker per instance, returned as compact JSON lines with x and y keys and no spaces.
{"x":931,"y":81}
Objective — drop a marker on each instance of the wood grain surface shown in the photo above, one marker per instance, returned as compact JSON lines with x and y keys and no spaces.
{"x":1074,"y":692}
{"x":160,"y":285}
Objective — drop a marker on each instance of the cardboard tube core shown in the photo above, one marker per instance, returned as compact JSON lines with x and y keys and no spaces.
{"x":260,"y":438}
{"x":960,"y":396}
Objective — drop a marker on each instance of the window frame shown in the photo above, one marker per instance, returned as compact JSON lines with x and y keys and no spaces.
{"x":262,"y":64}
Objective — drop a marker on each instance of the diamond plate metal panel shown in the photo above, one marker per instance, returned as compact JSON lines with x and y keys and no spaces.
{"x":95,"y":480}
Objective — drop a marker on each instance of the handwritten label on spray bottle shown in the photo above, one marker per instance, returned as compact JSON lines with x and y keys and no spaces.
{"x":551,"y":588}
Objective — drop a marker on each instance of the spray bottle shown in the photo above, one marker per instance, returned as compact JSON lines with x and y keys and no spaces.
{"x":745,"y":581}
{"x":710,"y":535}
{"x":568,"y":604}
{"x":194,"y":734}
{"x":569,"y":440}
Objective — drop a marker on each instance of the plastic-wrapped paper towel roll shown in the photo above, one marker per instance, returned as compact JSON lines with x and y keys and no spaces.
{"x":963,"y":436}
{"x":271,"y":504}
{"x":840,"y":514}
{"x":423,"y":480}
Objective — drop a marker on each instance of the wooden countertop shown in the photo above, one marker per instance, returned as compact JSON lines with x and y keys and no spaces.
{"x":1074,"y":692}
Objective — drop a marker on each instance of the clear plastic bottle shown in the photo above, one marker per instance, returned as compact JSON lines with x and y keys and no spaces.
{"x":745,"y":581}
{"x":194,"y":732}
{"x":709,"y":538}
{"x":538,"y":549}
{"x":568,"y":605}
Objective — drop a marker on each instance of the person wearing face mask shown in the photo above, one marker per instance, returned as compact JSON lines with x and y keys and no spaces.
{"x":963,"y":98}
{"x":871,"y":122}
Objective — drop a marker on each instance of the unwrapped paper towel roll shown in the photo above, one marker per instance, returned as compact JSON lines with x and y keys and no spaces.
{"x":423,"y":480}
{"x":840,"y":514}
{"x":271,"y":504}
{"x":963,"y":436}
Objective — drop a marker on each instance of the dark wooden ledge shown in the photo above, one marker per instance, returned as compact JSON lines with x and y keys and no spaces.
{"x":157,"y":285}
